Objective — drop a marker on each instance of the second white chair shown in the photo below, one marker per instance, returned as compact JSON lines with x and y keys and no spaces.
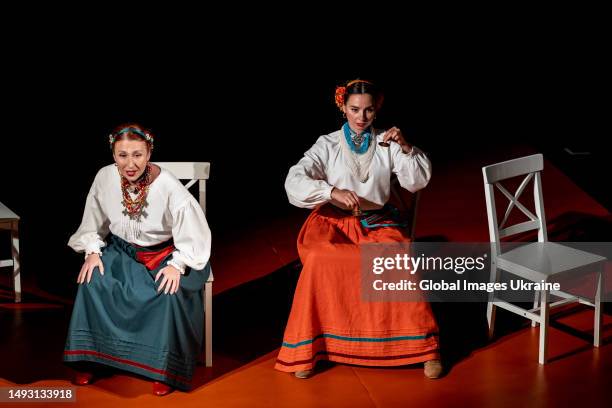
{"x":535,"y":262}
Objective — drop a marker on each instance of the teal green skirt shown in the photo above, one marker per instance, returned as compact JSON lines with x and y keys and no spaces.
{"x":120,"y":320}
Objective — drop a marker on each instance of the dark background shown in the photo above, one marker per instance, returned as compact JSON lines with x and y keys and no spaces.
{"x":252,"y":109}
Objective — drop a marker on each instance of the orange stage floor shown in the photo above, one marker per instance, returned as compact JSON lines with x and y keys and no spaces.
{"x":255,"y":272}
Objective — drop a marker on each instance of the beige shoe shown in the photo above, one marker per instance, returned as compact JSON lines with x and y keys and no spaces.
{"x":303,"y":374}
{"x":433,"y":369}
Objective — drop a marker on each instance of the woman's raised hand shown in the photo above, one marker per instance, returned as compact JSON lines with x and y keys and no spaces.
{"x":92,"y":261}
{"x":170,"y":281}
{"x":346,"y":197}
{"x":396,"y":135}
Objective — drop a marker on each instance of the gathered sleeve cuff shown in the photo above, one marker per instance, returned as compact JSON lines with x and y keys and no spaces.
{"x":94,"y":225}
{"x":192,"y":237}
{"x":180,"y":266}
{"x":413,"y":169}
{"x":306,"y":183}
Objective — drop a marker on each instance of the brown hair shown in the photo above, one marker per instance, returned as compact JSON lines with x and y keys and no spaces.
{"x":358,"y":86}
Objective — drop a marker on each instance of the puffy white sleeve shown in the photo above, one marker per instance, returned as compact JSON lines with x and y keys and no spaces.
{"x":192,"y":237}
{"x":306,"y":183}
{"x":413,"y":169}
{"x":94,"y":225}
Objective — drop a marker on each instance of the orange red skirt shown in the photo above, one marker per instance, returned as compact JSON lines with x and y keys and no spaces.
{"x":328,"y":319}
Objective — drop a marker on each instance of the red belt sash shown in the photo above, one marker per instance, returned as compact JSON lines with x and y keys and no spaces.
{"x":152,"y":259}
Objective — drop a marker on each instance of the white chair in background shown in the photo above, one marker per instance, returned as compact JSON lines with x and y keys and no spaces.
{"x":197,"y":172}
{"x":532,"y":261}
{"x":10,"y":221}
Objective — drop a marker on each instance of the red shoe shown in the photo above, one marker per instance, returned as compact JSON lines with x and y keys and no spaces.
{"x":82,"y":378}
{"x":160,"y":389}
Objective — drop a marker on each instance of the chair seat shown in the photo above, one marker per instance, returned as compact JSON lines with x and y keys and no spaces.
{"x":6,"y":214}
{"x":541,"y":260}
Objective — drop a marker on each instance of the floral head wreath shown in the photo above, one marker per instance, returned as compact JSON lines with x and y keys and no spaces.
{"x":146,"y":135}
{"x":341,"y":91}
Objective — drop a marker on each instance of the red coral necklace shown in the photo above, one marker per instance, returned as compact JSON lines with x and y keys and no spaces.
{"x":135,"y":207}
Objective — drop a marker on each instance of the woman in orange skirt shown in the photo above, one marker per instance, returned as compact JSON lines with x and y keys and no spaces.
{"x":346,"y":178}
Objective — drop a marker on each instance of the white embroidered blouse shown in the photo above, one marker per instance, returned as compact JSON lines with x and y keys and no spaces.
{"x":172,"y":212}
{"x":327,"y":165}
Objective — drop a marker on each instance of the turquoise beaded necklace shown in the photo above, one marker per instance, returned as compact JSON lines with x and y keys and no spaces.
{"x":348,"y":134}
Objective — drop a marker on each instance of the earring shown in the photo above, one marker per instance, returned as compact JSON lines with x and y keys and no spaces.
{"x":344,"y":115}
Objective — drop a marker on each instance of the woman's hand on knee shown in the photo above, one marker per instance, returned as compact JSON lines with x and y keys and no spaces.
{"x":170,"y":282}
{"x":91,"y":262}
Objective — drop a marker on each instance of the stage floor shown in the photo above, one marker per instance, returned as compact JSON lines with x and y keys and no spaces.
{"x":255,"y":274}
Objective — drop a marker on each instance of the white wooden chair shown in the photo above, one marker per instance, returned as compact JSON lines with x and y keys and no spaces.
{"x":10,"y":221}
{"x":197,"y":172}
{"x":530,"y":261}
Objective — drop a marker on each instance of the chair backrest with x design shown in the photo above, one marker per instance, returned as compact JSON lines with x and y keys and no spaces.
{"x":195,"y":172}
{"x":531,"y":167}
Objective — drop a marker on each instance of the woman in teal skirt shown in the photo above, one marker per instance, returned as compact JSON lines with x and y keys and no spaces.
{"x":139,"y":305}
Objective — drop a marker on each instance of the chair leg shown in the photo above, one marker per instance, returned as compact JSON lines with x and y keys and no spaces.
{"x":597,"y":323}
{"x":544,"y":310}
{"x":491,"y":310}
{"x":208,"y":323}
{"x":536,"y":302}
{"x":16,"y":265}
